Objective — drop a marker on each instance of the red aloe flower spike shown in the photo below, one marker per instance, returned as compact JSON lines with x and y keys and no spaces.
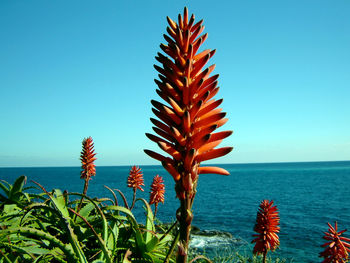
{"x":135,"y":181}
{"x":267,"y":221}
{"x":88,"y":167}
{"x":87,"y":158}
{"x":337,"y":250}
{"x":157,"y":192}
{"x":188,"y":115}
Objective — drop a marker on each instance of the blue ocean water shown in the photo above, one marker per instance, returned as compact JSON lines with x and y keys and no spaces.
{"x":308,"y":195}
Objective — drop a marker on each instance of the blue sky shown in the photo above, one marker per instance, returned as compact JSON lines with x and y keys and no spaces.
{"x":72,"y":69}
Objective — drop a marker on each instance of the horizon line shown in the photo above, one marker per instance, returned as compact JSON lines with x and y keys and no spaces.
{"x":122,"y":165}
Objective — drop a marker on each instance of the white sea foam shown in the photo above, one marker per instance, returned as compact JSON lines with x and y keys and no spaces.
{"x":205,"y":242}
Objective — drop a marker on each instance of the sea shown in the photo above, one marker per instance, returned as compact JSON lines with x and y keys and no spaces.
{"x":307,"y":195}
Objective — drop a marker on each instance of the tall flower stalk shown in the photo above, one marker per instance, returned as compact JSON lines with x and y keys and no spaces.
{"x":337,"y":250}
{"x":88,"y":168}
{"x":267,"y":221}
{"x":186,"y":123}
{"x":135,"y":181}
{"x":157,"y":192}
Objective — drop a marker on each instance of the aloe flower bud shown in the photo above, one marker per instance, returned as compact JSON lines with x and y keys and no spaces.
{"x":189,"y":115}
{"x":267,"y":221}
{"x":135,"y":179}
{"x":88,"y":167}
{"x":157,"y":192}
{"x":337,"y":250}
{"x":87,"y":158}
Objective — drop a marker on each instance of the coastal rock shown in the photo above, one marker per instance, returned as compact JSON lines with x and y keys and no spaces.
{"x":197,"y":231}
{"x":207,"y":240}
{"x":210,"y":233}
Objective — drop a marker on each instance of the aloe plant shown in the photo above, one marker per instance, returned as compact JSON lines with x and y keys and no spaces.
{"x":146,"y":245}
{"x":51,"y":229}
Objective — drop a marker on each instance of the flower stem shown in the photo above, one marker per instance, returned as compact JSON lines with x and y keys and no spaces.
{"x":155,"y":209}
{"x":185,"y":220}
{"x":133,"y":199}
{"x":86,"y":185}
{"x":264,"y":256}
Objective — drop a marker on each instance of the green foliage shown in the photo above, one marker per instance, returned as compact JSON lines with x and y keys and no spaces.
{"x":51,"y":228}
{"x":14,"y":193}
{"x":239,"y":258}
{"x":232,"y":256}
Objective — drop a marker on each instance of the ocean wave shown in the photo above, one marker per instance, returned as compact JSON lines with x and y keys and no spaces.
{"x":211,"y":242}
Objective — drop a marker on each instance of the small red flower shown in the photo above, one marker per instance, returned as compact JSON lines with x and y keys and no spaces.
{"x":157,"y":190}
{"x":87,"y":158}
{"x":135,"y":179}
{"x":337,"y":250}
{"x":267,"y":221}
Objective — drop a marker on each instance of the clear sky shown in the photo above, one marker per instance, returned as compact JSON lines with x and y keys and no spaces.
{"x":72,"y":69}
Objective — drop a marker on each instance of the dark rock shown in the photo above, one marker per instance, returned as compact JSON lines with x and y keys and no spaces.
{"x":196,"y":231}
{"x":211,"y":233}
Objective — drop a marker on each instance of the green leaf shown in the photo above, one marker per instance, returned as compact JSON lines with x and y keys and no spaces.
{"x":61,"y":209}
{"x":59,"y":202}
{"x":85,"y":211}
{"x":2,"y":200}
{"x":17,"y":186}
{"x":27,"y":196}
{"x":4,"y":188}
{"x":152,"y":244}
{"x":11,"y":209}
{"x":140,"y":243}
{"x":36,"y":250}
{"x":118,"y":218}
{"x":149,"y":221}
{"x":121,"y":209}
{"x":5,"y":259}
{"x":113,"y":238}
{"x":126,"y":256}
{"x":25,"y":231}
{"x":102,"y":241}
